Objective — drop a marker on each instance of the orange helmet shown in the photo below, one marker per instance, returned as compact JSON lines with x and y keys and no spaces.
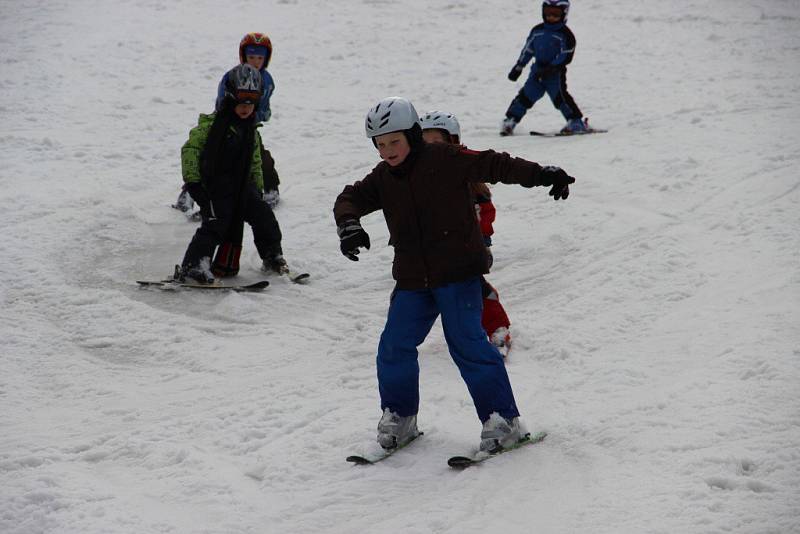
{"x":255,"y":39}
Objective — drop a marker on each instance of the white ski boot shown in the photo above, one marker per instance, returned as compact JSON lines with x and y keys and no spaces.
{"x":575,"y":126}
{"x":275,"y":264}
{"x":200,"y":273}
{"x":395,"y":431}
{"x":499,"y":433}
{"x":507,"y":127}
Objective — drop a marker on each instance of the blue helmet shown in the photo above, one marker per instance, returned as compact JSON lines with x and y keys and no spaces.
{"x":563,"y":5}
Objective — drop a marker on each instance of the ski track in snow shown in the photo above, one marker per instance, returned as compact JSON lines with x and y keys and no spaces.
{"x":655,"y":313}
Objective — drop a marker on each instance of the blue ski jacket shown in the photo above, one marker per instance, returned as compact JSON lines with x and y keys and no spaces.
{"x":553,"y":46}
{"x":263,"y":111}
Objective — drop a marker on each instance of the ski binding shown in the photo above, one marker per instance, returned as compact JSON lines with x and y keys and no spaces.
{"x":374,"y":457}
{"x":462,"y":462}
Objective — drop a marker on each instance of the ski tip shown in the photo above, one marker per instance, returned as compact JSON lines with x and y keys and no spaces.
{"x":535,"y":438}
{"x":255,"y":286}
{"x":460,"y":462}
{"x":300,"y":278}
{"x":358,"y":460}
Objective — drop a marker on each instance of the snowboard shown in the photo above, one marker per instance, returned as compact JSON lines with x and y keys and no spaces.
{"x":375,"y":457}
{"x":462,"y":462}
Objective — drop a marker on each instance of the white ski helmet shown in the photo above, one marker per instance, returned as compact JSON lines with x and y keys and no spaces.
{"x":441,"y":120}
{"x":563,"y":4}
{"x":392,"y":114}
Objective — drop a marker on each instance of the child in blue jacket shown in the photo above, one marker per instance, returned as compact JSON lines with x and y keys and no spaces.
{"x":553,"y":45}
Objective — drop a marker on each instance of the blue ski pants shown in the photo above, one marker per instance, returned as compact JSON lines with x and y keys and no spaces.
{"x":535,"y":87}
{"x":411,"y":316}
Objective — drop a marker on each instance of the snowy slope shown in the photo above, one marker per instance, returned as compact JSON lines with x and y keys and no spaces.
{"x":655,"y":313}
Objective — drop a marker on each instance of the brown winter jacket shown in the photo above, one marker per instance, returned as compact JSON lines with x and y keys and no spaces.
{"x":429,"y":210}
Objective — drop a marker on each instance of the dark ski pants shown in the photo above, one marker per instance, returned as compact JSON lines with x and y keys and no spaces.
{"x":556,"y":88}
{"x":411,"y":316}
{"x":219,"y":217}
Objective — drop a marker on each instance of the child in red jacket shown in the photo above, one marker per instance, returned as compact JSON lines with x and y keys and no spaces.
{"x":442,"y":127}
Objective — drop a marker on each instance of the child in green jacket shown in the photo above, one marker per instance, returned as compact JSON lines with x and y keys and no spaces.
{"x":221,"y":166}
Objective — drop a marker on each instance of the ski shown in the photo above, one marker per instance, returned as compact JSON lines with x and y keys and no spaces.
{"x":297,"y":278}
{"x":176,"y":284}
{"x":462,"y":462}
{"x":377,"y":456}
{"x":567,"y":134}
{"x":294,"y":277}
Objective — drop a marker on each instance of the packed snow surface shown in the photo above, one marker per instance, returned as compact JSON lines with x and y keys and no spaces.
{"x":654,"y":313}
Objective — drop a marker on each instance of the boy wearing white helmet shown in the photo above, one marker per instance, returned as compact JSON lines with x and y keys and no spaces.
{"x":552,"y":44}
{"x":439,"y":255}
{"x":443,"y":127}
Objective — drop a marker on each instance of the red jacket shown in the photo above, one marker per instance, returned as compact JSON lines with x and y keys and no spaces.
{"x":486,"y":212}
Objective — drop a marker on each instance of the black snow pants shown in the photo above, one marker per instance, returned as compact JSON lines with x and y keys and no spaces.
{"x":219,"y":217}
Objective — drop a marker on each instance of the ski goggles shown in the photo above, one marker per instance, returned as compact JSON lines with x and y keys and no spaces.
{"x":247,"y":97}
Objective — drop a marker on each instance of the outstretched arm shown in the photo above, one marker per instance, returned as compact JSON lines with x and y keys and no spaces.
{"x":493,"y":167}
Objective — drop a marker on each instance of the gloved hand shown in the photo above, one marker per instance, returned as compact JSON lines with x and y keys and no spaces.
{"x":271,"y":197}
{"x":556,"y":177}
{"x":515,"y":72}
{"x":199,"y":195}
{"x":351,"y":238}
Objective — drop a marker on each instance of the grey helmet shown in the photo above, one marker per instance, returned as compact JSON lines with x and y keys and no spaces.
{"x":392,"y":114}
{"x":441,"y":120}
{"x":244,"y":84}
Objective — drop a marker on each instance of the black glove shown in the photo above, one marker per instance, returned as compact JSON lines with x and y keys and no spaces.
{"x":556,"y":177}
{"x":351,"y":238}
{"x":515,"y":72}
{"x":199,"y":195}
